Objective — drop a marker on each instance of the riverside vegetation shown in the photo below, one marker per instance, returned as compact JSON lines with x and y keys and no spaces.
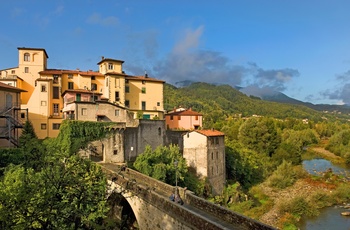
{"x":265,"y":179}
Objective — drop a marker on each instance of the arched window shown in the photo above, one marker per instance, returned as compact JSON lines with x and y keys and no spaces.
{"x":26,"y":57}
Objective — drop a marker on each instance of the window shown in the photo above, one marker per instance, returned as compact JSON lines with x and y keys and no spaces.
{"x":55,"y":109}
{"x":93,"y":98}
{"x":158,"y":103}
{"x":55,"y":79}
{"x":115,"y":152}
{"x":127,"y":103}
{"x":43,"y":103}
{"x":217,"y":155}
{"x":116,"y":112}
{"x":159,"y":131}
{"x":127,"y":89}
{"x":143,"y":90}
{"x":107,"y":82}
{"x":93,"y":86}
{"x":171,"y":117}
{"x":78,"y":97}
{"x":26,"y":69}
{"x":70,"y":85}
{"x":13,"y":71}
{"x":43,"y":88}
{"x":56,"y":126}
{"x":43,"y":126}
{"x":116,"y":96}
{"x":196,"y":118}
{"x":26,"y":57}
{"x":23,"y":115}
{"x":126,"y":81}
{"x":212,"y":155}
{"x":143,"y":82}
{"x":56,"y":92}
{"x":143,"y":104}
{"x":93,"y":78}
{"x":110,"y":66}
{"x":84,"y":111}
{"x":70,"y":76}
{"x":179,"y":118}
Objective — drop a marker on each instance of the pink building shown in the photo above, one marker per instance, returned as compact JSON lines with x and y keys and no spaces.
{"x":183,"y":119}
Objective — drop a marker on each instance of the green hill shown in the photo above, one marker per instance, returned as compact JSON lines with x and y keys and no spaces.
{"x":219,"y":102}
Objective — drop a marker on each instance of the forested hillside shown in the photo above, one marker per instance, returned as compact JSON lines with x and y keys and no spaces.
{"x":220,"y":102}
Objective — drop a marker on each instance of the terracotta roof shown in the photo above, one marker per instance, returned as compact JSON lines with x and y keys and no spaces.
{"x":26,"y":48}
{"x":187,"y":112}
{"x":62,"y":71}
{"x":109,"y":59}
{"x":210,"y":133}
{"x":6,"y":87}
{"x":142,"y":78}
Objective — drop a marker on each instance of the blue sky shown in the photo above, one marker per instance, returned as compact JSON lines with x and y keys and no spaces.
{"x":300,"y":48}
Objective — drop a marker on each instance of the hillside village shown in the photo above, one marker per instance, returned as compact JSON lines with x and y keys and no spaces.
{"x":46,"y":97}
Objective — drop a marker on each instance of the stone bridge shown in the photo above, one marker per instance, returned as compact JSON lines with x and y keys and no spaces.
{"x":147,"y":201}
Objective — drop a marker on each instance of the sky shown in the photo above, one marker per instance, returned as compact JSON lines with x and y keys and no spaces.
{"x":300,"y":48}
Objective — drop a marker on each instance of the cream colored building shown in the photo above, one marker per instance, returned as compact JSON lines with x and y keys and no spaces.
{"x":204,"y":150}
{"x":142,"y":96}
{"x":10,"y":115}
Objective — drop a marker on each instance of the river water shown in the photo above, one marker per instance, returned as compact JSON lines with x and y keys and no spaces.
{"x":330,"y":217}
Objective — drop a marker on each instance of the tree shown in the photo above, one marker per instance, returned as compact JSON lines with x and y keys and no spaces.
{"x":159,"y":163}
{"x":67,"y":194}
{"x":260,"y":135}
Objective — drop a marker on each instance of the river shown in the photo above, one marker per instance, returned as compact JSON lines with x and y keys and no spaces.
{"x":329,"y":217}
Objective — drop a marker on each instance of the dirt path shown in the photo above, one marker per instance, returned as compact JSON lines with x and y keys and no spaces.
{"x":325,"y":153}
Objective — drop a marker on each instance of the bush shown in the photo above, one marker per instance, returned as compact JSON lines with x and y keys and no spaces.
{"x":285,"y":175}
{"x":299,"y":206}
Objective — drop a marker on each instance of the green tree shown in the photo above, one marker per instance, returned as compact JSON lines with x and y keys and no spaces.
{"x":159,"y":163}
{"x":67,"y":194}
{"x":260,"y":135}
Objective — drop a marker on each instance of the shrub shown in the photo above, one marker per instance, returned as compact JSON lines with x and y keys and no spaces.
{"x":285,"y":175}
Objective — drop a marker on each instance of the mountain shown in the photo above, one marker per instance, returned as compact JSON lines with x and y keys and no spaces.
{"x":221,"y":102}
{"x":275,"y":96}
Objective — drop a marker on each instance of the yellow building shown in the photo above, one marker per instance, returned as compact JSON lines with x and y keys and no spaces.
{"x":45,"y":89}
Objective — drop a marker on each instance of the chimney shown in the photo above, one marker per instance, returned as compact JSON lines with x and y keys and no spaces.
{"x":103,"y":57}
{"x":146,"y":75}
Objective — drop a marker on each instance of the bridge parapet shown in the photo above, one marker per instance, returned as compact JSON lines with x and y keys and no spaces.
{"x":196,"y":213}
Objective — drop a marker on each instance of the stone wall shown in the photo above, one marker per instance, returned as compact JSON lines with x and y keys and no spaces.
{"x":153,"y":209}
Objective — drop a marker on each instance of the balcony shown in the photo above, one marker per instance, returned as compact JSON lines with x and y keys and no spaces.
{"x":9,"y":76}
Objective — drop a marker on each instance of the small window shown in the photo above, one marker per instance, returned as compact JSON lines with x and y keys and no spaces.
{"x":70,"y":85}
{"x":127,"y":89}
{"x":126,"y":81}
{"x":23,"y":115}
{"x":171,"y":117}
{"x":56,"y":126}
{"x":143,"y":82}
{"x":55,"y":109}
{"x":115,"y":152}
{"x":43,"y":88}
{"x":127,"y":103}
{"x":158,"y":103}
{"x":55,"y":79}
{"x":93,"y":86}
{"x":217,"y":155}
{"x":212,"y":155}
{"x":110,"y":66}
{"x":159,"y":131}
{"x":70,"y":76}
{"x":93,"y":78}
{"x":143,"y":90}
{"x":26,"y":69}
{"x":26,"y":57}
{"x":13,"y":71}
{"x":84,"y":111}
{"x":56,"y":92}
{"x":143,"y":105}
{"x":43,"y":103}
{"x":106,"y":82}
{"x":43,"y":126}
{"x":196,"y":118}
{"x":179,"y":118}
{"x":117,"y":112}
{"x":116,"y":96}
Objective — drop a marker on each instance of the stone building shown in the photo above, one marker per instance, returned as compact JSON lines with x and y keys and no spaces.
{"x":204,"y":151}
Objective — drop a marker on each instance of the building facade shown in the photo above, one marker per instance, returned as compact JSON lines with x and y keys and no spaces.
{"x":10,"y":115}
{"x":45,"y":90}
{"x":204,"y":150}
{"x":183,"y":119}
